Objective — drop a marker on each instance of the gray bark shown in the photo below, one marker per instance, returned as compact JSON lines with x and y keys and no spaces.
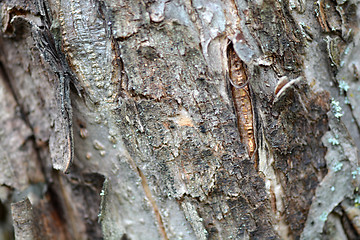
{"x":180,"y":119}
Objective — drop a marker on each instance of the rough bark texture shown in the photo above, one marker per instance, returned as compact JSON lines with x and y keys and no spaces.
{"x":180,"y":119}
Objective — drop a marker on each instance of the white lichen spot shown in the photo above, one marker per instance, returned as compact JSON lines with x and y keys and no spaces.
{"x":337,"y":166}
{"x":102,"y":153}
{"x":102,"y":193}
{"x":344,"y":86}
{"x":354,"y":173}
{"x":333,"y":141}
{"x":323,"y":216}
{"x":339,"y":115}
{"x":292,"y":5}
{"x":357,"y":199}
{"x":347,"y":101}
{"x":332,"y":188}
{"x":336,"y":108}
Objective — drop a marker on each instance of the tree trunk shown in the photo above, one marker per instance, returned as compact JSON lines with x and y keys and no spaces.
{"x":179,"y":119}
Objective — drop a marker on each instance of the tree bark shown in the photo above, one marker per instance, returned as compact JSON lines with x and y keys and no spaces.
{"x":180,"y":119}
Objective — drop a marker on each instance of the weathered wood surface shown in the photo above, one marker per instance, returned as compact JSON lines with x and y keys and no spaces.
{"x":183,"y":119}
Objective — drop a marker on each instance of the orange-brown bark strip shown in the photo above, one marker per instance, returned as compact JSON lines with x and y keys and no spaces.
{"x":242,"y":100}
{"x":322,"y":17}
{"x":152,"y":201}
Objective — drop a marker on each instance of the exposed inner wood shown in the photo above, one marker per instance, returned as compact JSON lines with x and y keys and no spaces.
{"x":242,"y":100}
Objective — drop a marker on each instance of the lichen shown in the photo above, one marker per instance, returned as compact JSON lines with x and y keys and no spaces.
{"x":323,"y":216}
{"x":337,"y":166}
{"x":343,"y":86}
{"x":347,"y":101}
{"x":336,"y":108}
{"x":333,"y":141}
{"x":357,"y":201}
{"x":355,"y":173}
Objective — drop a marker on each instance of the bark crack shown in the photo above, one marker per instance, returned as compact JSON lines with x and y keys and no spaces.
{"x":153,"y":203}
{"x":354,"y":117}
{"x":242,"y":101}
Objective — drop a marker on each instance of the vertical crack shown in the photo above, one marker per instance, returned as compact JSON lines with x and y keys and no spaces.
{"x":242,"y":101}
{"x":153,"y":203}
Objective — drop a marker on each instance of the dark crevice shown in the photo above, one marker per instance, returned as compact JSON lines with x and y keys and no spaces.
{"x":355,"y":119}
{"x":348,"y":225}
{"x":125,"y":237}
{"x":55,"y":198}
{"x":105,"y":15}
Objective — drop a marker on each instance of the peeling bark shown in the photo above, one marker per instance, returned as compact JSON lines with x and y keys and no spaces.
{"x":180,"y":119}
